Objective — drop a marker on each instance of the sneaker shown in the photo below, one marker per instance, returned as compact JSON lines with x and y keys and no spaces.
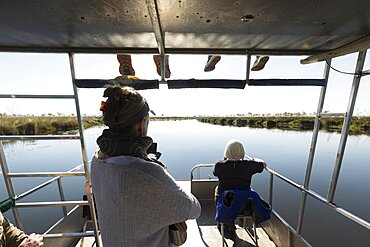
{"x":211,"y":62}
{"x":260,"y":63}
{"x":125,"y":65}
{"x":157,"y":61}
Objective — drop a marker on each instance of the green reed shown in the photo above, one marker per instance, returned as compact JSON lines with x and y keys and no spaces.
{"x":42,"y":125}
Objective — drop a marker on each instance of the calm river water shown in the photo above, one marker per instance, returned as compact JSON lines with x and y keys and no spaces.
{"x":186,"y":143}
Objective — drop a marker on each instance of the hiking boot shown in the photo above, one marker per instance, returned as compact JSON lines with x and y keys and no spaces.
{"x":125,"y":65}
{"x":260,"y":63}
{"x":157,"y":61}
{"x":211,"y":62}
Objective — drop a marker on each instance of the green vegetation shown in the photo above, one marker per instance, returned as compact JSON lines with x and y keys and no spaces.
{"x":359,"y":125}
{"x":43,"y":125}
{"x":33,"y":125}
{"x":170,"y":118}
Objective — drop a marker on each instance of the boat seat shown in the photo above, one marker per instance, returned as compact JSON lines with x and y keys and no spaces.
{"x":245,"y":215}
{"x":234,"y":204}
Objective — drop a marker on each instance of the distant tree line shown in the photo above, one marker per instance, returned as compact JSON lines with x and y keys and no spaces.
{"x":42,"y":125}
{"x":359,"y":125}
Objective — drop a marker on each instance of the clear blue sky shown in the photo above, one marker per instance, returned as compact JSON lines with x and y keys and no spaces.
{"x":49,"y":74}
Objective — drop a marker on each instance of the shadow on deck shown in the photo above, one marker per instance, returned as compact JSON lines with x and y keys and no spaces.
{"x":211,"y":237}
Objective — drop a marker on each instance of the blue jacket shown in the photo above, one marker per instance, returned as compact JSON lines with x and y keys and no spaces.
{"x":229,"y":211}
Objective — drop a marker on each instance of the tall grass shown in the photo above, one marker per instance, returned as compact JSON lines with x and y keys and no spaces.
{"x":21,"y":125}
{"x":35,"y":125}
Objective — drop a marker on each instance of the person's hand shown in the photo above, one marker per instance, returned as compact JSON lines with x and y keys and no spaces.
{"x":181,"y":226}
{"x":258,"y":160}
{"x":261,"y":161}
{"x":34,"y":240}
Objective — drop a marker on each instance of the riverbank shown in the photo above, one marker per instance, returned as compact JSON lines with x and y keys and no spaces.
{"x":359,"y":125}
{"x":44,"y":125}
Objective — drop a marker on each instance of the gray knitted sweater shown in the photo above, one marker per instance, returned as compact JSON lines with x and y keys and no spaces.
{"x":137,"y":200}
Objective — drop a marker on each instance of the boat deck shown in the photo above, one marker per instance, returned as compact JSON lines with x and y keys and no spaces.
{"x":203,"y":231}
{"x":205,"y":226}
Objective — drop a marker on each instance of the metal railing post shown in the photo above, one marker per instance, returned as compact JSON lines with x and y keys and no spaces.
{"x":158,"y":33}
{"x":84,"y":155}
{"x":271,"y":190}
{"x":61,"y":194}
{"x":248,"y":69}
{"x":346,"y":125}
{"x":319,"y":198}
{"x":163,"y":67}
{"x":9,"y":185}
{"x":42,"y":185}
{"x":311,"y":155}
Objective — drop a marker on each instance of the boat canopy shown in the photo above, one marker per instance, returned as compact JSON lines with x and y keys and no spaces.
{"x":289,"y":27}
{"x":319,"y":29}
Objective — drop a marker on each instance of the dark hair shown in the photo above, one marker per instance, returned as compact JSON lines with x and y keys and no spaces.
{"x":124,"y":107}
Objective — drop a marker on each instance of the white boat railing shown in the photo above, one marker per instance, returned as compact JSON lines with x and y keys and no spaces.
{"x":57,"y":176}
{"x":304,"y":188}
{"x":8,"y":176}
{"x":315,"y":195}
{"x":351,"y":216}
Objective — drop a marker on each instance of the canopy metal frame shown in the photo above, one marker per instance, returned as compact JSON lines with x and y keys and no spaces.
{"x":319,"y":29}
